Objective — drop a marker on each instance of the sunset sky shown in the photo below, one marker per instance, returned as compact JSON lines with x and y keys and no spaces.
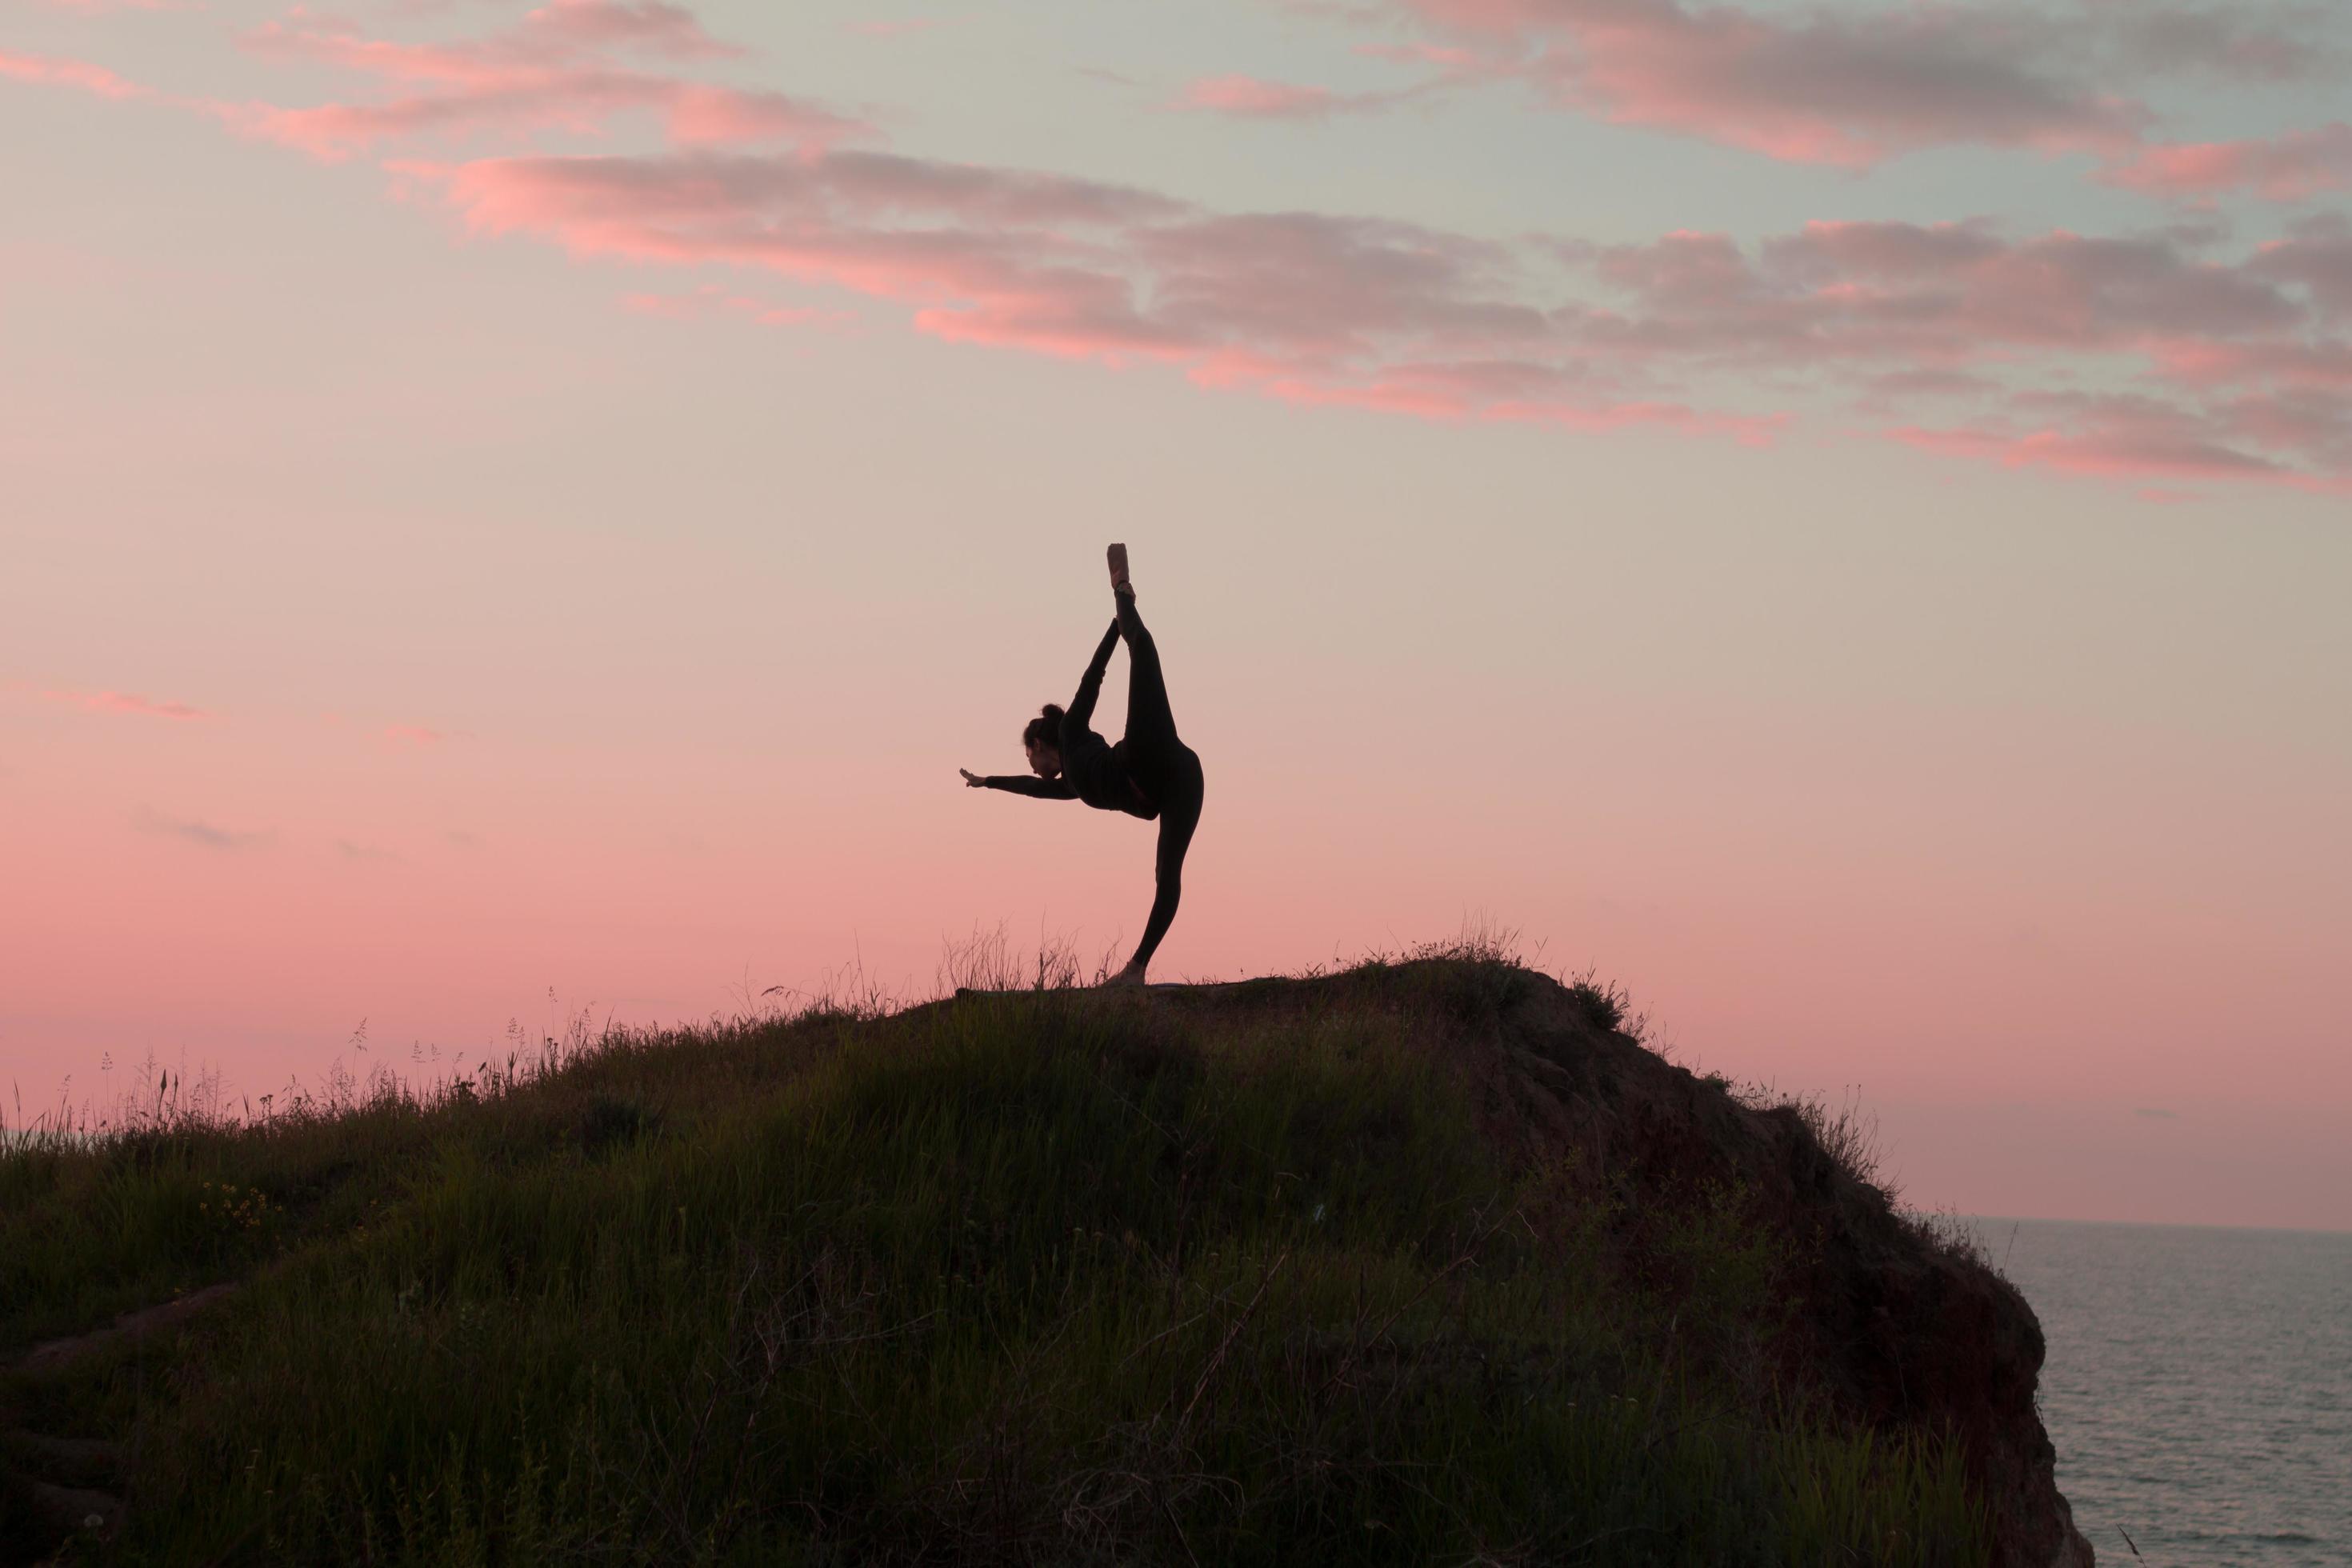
{"x":1837,"y":520}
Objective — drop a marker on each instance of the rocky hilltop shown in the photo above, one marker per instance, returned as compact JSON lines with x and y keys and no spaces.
{"x":1424,"y":1259}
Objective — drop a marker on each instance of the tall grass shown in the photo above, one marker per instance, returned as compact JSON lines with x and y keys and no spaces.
{"x":1042,"y":1278}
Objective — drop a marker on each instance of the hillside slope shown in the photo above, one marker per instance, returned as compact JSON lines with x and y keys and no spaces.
{"x":1421,"y":1260}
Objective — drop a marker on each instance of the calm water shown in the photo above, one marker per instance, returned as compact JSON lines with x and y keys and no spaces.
{"x":2198,"y":1386}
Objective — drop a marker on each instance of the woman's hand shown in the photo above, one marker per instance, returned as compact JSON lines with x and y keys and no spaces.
{"x":972,"y":780}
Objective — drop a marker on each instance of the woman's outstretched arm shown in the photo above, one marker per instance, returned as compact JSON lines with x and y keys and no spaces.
{"x":1021,"y":783}
{"x":1082,"y":707}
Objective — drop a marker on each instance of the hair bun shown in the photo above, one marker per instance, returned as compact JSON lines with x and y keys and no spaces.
{"x":1045,"y":730}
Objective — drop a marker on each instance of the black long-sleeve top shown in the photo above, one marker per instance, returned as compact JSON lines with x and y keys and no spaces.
{"x":1093,"y":769}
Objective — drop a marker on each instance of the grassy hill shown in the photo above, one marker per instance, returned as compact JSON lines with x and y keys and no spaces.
{"x":1421,"y":1261}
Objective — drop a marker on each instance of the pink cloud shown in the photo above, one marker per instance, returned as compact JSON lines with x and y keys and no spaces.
{"x":580,"y":101}
{"x":1243,"y":96}
{"x":2127,"y":447}
{"x":2219,"y":366}
{"x":2263,"y":41}
{"x":127,"y":703}
{"x":1251,"y":98}
{"x":1306,"y":308}
{"x":1322,"y":311}
{"x":669,"y":31}
{"x":2317,"y":257}
{"x":1446,"y":56}
{"x":2007,"y":324}
{"x":1855,"y":86}
{"x":413,"y":735}
{"x":2130,"y":436}
{"x":2204,"y":363}
{"x":1850,"y":87}
{"x":1488,"y":391}
{"x":1928,"y":297}
{"x":547,"y":73}
{"x":43,"y":71}
{"x":2290,"y":168}
{"x":2306,"y":418}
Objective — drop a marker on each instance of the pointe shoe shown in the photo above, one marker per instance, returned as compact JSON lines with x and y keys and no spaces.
{"x":1119,"y":581}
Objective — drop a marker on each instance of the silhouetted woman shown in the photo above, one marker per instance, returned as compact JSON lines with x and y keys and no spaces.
{"x":1149,"y":774}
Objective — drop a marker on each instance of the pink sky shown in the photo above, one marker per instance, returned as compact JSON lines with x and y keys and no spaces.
{"x":517,"y":508}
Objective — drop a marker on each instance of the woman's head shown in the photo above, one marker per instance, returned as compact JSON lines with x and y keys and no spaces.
{"x":1043,"y":740}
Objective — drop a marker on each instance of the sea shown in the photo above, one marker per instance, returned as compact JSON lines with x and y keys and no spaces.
{"x":2198,"y":1387}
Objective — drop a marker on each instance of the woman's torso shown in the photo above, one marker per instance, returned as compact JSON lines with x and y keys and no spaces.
{"x":1117,"y":778}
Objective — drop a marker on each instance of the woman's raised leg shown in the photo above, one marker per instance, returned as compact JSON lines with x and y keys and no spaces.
{"x":1150,"y":726}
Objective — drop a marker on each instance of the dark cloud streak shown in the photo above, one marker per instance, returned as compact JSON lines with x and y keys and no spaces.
{"x":205,"y":834}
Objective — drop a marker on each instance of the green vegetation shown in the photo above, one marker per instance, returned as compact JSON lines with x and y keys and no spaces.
{"x":1237,"y":1277}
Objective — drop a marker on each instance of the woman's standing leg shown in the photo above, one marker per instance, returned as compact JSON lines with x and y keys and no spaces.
{"x":1180,"y":814}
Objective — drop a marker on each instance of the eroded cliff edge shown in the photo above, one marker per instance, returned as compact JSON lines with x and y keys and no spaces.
{"x":1901,"y":1323}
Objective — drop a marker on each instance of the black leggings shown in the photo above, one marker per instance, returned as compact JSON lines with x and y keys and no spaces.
{"x":1163,"y":767}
